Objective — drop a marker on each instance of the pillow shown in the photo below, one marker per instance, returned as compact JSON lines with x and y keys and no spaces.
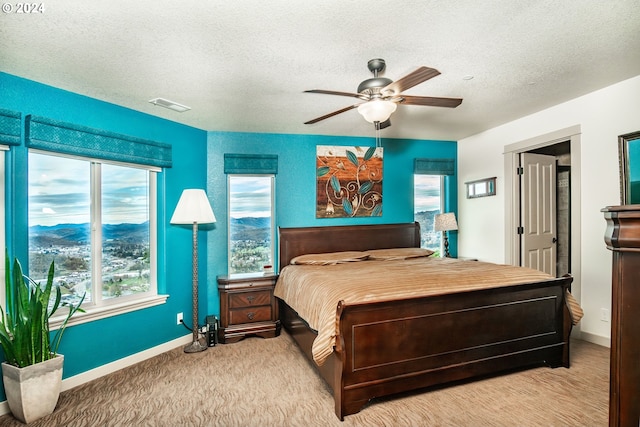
{"x":330,"y":258}
{"x":398,"y":253}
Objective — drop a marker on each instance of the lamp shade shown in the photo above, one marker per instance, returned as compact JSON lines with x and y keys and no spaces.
{"x":377,"y":110}
{"x":193,"y":207}
{"x":445,"y":222}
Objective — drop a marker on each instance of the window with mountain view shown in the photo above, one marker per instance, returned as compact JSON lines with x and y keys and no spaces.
{"x":3,"y":223}
{"x":428,"y":199}
{"x":250,"y":223}
{"x":93,"y":220}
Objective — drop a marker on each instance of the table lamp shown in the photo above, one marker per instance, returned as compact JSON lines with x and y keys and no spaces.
{"x":445,"y":222}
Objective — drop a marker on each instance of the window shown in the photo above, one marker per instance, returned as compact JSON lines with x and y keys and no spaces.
{"x":251,"y":222}
{"x":2,"y":227}
{"x":428,"y":196}
{"x":96,"y":221}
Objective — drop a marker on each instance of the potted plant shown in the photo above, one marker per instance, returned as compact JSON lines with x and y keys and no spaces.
{"x":32,"y":371}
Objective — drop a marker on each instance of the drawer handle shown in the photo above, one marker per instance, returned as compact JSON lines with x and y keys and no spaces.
{"x":251,"y":315}
{"x":250,"y":298}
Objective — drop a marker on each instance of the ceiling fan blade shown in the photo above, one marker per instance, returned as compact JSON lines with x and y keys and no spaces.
{"x":430,"y":101}
{"x":420,"y":75}
{"x":333,"y":92}
{"x":335,"y":113}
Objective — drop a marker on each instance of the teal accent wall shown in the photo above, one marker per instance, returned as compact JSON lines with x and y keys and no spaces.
{"x":296,"y":184}
{"x":94,"y":344}
{"x":198,"y":162}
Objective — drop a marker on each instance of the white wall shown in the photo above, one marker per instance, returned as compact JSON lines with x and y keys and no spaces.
{"x":601,"y":116}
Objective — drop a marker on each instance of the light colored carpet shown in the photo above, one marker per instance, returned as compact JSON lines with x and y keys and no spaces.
{"x":268,"y":382}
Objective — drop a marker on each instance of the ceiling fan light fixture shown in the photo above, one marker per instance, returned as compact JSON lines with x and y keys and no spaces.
{"x":377,"y":110}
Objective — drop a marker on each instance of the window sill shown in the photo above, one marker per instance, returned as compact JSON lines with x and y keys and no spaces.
{"x":97,"y":313}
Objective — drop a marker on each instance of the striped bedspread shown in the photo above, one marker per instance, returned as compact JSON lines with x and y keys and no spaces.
{"x":314,"y":291}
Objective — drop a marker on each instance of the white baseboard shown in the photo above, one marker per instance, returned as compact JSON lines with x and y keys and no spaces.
{"x":595,"y":339}
{"x":101,"y":371}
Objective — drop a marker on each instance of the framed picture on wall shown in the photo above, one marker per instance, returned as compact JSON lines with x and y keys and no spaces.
{"x":629,"y":155}
{"x":348,"y":181}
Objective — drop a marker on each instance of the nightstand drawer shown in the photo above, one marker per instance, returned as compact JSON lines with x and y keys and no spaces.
{"x":249,"y":299}
{"x":247,"y":307}
{"x":251,"y":314}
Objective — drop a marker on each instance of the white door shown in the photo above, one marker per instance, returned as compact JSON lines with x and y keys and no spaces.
{"x":538,"y":208}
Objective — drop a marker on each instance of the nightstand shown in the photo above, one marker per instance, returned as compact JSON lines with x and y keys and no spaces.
{"x":247,"y":307}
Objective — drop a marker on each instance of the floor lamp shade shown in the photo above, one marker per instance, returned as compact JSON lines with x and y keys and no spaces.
{"x":194,"y":208}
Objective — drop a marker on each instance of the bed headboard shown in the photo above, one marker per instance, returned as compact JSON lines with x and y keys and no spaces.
{"x":315,"y":240}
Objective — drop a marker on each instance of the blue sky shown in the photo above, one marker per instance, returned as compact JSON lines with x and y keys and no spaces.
{"x":426,"y":193}
{"x":59,"y":192}
{"x":251,"y":196}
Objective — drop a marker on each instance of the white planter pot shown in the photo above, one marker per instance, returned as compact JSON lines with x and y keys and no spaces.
{"x":32,"y":392}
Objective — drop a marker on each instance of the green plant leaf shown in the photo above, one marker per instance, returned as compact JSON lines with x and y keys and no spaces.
{"x":58,"y":336}
{"x":24,"y":328}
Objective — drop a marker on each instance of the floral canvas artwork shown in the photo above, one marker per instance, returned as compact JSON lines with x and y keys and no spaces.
{"x":349,"y":181}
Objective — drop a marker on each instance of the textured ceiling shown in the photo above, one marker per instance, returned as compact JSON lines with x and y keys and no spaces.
{"x":243,"y":65}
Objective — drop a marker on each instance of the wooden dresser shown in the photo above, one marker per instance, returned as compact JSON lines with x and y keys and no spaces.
{"x":623,"y":238}
{"x":247,"y":307}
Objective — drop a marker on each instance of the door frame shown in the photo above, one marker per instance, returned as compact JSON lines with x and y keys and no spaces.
{"x":512,"y":197}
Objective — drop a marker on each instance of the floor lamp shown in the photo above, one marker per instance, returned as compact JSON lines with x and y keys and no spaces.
{"x":194,"y":208}
{"x":445,"y":222}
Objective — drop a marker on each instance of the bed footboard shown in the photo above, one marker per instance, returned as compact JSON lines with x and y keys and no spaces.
{"x":391,"y":347}
{"x":386,"y":348}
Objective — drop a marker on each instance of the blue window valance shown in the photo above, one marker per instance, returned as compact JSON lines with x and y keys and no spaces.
{"x":10,"y":127}
{"x":251,"y":163}
{"x":66,"y":138}
{"x":434,"y":166}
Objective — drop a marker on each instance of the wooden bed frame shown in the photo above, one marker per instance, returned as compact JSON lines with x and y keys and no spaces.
{"x":391,"y":347}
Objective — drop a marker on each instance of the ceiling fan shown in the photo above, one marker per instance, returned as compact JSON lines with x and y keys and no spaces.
{"x":381,"y":95}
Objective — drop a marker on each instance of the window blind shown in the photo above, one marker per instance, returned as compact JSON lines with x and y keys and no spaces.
{"x":67,"y":138}
{"x":250,"y":163}
{"x":434,"y":166}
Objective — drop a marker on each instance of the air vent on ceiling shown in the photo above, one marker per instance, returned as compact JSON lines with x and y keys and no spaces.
{"x":170,"y":105}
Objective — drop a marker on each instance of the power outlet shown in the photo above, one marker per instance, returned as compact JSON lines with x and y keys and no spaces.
{"x":605,"y":315}
{"x":179,"y":318}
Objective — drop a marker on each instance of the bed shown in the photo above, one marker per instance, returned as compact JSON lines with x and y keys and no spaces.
{"x":380,"y":348}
